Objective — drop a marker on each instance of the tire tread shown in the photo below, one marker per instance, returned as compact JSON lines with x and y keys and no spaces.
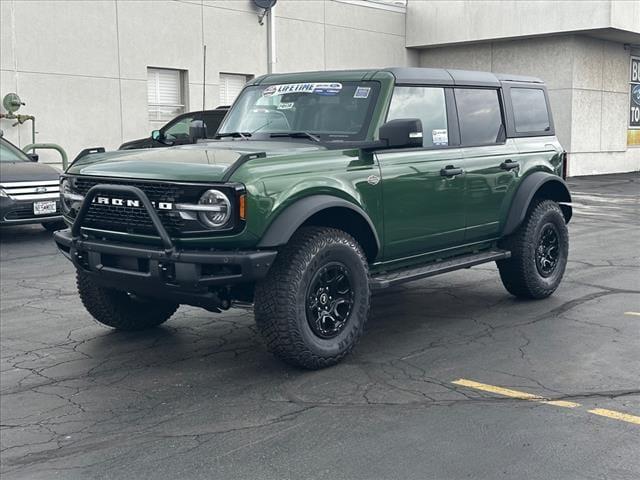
{"x":275,"y":299}
{"x":519,"y":274}
{"x":115,"y":309}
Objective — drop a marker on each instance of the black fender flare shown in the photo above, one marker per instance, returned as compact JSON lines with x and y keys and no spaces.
{"x":531,"y":185}
{"x":292,"y":217}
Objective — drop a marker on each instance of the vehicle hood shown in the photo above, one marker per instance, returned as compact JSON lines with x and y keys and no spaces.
{"x":200,"y":162}
{"x":26,"y":172}
{"x":137,"y":143}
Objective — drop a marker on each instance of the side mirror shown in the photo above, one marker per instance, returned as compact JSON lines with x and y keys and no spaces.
{"x":402,"y":133}
{"x":33,"y":157}
{"x":197,"y":130}
{"x":156,"y":135}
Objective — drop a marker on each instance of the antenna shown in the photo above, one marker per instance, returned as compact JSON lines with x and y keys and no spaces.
{"x":204,"y":73}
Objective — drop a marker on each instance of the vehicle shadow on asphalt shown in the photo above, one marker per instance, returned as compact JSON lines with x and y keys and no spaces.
{"x":200,"y":340}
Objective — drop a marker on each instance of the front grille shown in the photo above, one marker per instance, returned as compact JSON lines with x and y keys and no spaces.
{"x":32,"y":191}
{"x":128,"y":218}
{"x":135,"y":220}
{"x":165,"y":192}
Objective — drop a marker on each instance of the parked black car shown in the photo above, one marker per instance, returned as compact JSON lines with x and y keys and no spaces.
{"x":179,"y":130}
{"x":29,"y":191}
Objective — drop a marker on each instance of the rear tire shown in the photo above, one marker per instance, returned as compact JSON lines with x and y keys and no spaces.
{"x":121,"y":310}
{"x":313,"y":305}
{"x":539,"y":252}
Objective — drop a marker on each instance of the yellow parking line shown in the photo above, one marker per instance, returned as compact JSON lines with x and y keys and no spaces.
{"x":561,"y":403}
{"x":507,"y":392}
{"x":632,"y":313}
{"x":625,"y":417}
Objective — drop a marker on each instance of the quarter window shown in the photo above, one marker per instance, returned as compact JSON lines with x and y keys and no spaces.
{"x":479,"y":115}
{"x":427,"y":104}
{"x":530,"y":110}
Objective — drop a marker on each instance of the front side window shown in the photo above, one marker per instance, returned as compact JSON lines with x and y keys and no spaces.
{"x":529,"y":110}
{"x":332,"y":111}
{"x":180,"y":129}
{"x":479,"y":116}
{"x":426,"y":103}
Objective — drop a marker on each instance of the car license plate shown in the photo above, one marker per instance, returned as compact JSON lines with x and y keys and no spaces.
{"x":42,"y":208}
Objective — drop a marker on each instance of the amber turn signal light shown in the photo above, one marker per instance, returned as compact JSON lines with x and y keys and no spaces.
{"x":242,"y":206}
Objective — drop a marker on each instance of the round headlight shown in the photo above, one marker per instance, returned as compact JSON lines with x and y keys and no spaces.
{"x":216,"y":209}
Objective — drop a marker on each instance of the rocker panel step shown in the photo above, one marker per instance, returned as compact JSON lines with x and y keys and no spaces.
{"x":385,"y":280}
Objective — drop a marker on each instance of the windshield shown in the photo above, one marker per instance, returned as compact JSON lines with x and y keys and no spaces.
{"x":9,"y":153}
{"x":330,"y":111}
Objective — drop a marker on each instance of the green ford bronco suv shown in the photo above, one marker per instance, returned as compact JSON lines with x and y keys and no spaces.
{"x":320,"y":189}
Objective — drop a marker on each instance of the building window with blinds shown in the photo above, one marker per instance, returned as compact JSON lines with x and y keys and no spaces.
{"x":230,"y":86}
{"x":165,"y":93}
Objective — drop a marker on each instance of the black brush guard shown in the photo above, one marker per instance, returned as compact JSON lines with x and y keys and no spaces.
{"x":187,"y":276}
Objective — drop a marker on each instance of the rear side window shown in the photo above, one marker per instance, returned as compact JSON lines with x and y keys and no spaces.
{"x":479,"y":115}
{"x":530,"y":112}
{"x":213,"y":121}
{"x":427,"y":104}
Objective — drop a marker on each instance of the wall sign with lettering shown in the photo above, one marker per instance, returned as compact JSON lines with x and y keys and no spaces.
{"x":633,"y":134}
{"x":634,"y":119}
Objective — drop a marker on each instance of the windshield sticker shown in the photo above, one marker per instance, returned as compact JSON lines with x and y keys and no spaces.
{"x":440,"y":137}
{"x":362,"y":92}
{"x":317,"y":88}
{"x":286,"y":106}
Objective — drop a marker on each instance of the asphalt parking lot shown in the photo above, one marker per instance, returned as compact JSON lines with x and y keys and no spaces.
{"x":454,"y":378}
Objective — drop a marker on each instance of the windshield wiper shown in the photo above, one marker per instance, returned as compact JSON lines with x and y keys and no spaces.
{"x":242,"y":135}
{"x":297,"y":135}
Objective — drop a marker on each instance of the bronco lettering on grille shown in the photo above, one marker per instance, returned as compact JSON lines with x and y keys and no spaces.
{"x":127,"y":202}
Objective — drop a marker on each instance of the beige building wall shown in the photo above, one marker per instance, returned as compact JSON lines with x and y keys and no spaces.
{"x":588,"y":87}
{"x":81,"y":66}
{"x":432,"y":22}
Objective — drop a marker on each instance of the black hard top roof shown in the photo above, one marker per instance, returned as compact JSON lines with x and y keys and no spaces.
{"x":442,"y":76}
{"x":403,"y":75}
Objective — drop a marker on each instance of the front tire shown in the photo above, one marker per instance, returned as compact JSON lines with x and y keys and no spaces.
{"x":121,"y":310}
{"x":312,"y":307}
{"x":539,"y":252}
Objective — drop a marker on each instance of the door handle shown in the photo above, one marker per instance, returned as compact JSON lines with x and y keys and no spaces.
{"x":509,"y":165}
{"x":451,"y":171}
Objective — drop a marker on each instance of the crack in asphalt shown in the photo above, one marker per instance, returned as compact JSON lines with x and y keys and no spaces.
{"x":78,"y":398}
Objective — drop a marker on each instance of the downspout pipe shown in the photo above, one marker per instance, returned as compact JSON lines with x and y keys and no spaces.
{"x":271,"y":40}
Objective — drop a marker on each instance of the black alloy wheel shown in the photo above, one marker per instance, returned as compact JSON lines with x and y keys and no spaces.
{"x":329,"y":300}
{"x":547,"y":250}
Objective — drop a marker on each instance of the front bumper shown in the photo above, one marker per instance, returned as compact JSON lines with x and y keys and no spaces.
{"x":195,"y":277}
{"x":193,"y":269}
{"x":16,"y":212}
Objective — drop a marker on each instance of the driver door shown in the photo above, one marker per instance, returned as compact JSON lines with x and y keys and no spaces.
{"x":422,"y":188}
